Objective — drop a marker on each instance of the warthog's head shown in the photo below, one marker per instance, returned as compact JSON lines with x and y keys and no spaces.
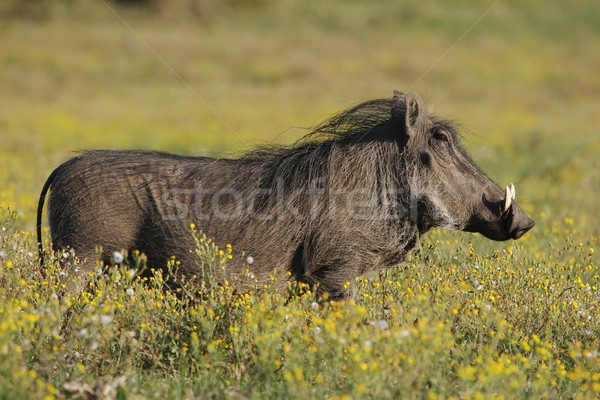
{"x":447,"y":187}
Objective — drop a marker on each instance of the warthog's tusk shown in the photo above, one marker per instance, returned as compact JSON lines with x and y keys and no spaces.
{"x":507,"y":199}
{"x":512,"y":191}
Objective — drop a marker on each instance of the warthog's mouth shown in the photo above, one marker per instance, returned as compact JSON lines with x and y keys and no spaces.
{"x":522,"y":227}
{"x":517,"y":233}
{"x":517,"y":227}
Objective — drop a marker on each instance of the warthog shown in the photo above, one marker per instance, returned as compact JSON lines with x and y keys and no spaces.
{"x":353,"y":196}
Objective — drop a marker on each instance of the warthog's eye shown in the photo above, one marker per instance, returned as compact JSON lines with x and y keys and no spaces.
{"x":441,"y":135}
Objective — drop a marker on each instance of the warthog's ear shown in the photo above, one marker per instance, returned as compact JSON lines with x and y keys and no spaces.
{"x":413,"y":110}
{"x":407,"y":106}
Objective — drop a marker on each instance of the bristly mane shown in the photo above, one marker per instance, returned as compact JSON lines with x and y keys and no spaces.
{"x":349,"y":126}
{"x":355,"y":122}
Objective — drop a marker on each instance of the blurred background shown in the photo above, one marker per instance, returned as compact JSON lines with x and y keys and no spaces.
{"x":216,"y":77}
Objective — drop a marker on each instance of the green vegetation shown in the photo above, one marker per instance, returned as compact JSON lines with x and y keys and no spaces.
{"x":465,"y":318}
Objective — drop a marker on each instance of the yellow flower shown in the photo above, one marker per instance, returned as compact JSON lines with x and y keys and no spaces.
{"x":298,"y":374}
{"x":467,"y":373}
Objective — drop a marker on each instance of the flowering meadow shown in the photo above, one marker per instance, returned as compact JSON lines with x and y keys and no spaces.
{"x":464,"y":318}
{"x":452,"y":323}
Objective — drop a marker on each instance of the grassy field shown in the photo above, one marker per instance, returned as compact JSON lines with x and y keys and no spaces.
{"x":466,"y":318}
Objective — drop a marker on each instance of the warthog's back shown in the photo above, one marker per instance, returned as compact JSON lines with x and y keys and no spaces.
{"x":124,"y":200}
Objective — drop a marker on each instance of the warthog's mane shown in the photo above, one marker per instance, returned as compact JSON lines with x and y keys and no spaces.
{"x":367,"y":122}
{"x":352,"y":125}
{"x":355,"y":123}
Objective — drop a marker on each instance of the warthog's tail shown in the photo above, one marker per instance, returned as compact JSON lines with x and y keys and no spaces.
{"x":40,"y":210}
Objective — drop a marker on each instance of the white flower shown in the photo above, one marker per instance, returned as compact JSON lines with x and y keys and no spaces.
{"x":592,"y":354}
{"x":106,"y":319}
{"x":129,"y":292}
{"x":317,"y":330}
{"x":250,"y":260}
{"x":382,"y":324}
{"x":2,"y":254}
{"x":118,"y":257}
{"x":314,"y":305}
{"x":367,"y":344}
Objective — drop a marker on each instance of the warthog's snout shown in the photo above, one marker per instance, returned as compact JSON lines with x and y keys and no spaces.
{"x":517,"y":223}
{"x":501,"y":219}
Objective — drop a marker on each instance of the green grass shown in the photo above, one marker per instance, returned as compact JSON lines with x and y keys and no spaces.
{"x":465,"y":318}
